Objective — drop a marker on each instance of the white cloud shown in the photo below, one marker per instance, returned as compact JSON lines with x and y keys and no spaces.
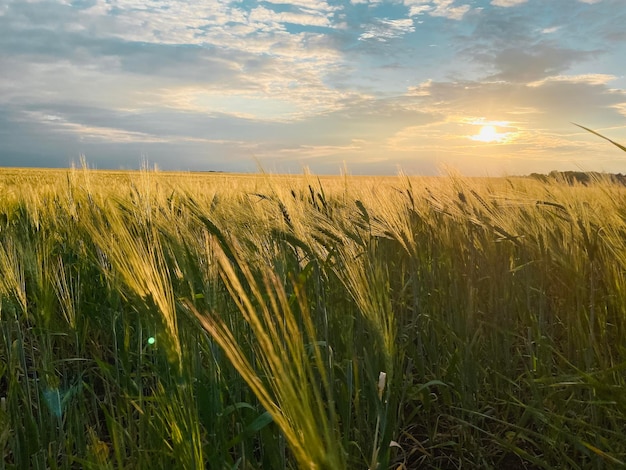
{"x":308,"y":152}
{"x":415,"y":10}
{"x":200,"y":23}
{"x":621,"y":108}
{"x":447,"y":9}
{"x":418,"y":7}
{"x":551,"y":30}
{"x":385,"y":29}
{"x":507,"y":3}
{"x":315,"y":5}
{"x":90,"y":133}
{"x":275,"y":19}
{"x":423,"y":89}
{"x":441,"y":8}
{"x":589,"y":78}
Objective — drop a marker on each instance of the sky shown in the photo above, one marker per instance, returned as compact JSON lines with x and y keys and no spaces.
{"x":482,"y":87}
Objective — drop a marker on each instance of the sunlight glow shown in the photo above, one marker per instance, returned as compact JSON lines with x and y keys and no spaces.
{"x":489,"y":133}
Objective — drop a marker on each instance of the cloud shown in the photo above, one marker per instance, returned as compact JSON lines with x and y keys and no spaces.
{"x":415,"y":10}
{"x":205,"y":22}
{"x":447,"y":9}
{"x":551,"y":29}
{"x":418,"y":7}
{"x":314,"y":152}
{"x":442,"y":8}
{"x":315,"y":5}
{"x":507,"y":3}
{"x":247,"y":57}
{"x":521,"y":64}
{"x":275,"y":20}
{"x":386,"y":29}
{"x":544,"y":103}
{"x":174,"y":140}
{"x":208,"y":82}
{"x":84,"y":132}
{"x":524,"y":44}
{"x":589,"y":78}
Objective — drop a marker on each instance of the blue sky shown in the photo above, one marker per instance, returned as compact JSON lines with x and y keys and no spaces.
{"x":487,"y":87}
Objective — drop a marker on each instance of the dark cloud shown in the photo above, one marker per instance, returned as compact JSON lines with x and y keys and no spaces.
{"x":24,"y":143}
{"x":189,"y":63}
{"x":576,"y":101}
{"x":498,"y":26}
{"x":526,"y":64}
{"x":599,"y":25}
{"x":540,"y":40}
{"x":27,"y":142}
{"x":364,"y":119}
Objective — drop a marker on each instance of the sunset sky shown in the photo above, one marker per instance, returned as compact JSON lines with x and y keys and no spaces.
{"x":487,"y":87}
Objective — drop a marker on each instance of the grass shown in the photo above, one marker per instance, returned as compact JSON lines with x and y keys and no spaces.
{"x":156,"y":320}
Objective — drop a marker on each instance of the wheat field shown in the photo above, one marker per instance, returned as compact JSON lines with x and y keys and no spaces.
{"x":157,"y":320}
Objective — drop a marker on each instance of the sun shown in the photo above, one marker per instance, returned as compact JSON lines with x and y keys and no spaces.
{"x":493,"y":132}
{"x":488,"y":134}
